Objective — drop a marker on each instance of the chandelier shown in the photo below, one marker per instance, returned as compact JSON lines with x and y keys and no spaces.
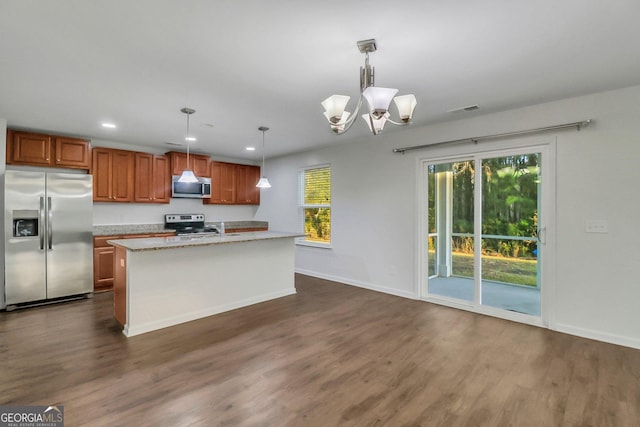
{"x":378,"y":100}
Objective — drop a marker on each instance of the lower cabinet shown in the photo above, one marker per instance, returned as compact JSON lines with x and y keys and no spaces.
{"x":120,"y":285}
{"x":104,"y":257}
{"x":103,"y":263}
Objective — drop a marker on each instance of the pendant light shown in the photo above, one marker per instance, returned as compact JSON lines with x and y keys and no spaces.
{"x":264,"y":182}
{"x":187,"y":174}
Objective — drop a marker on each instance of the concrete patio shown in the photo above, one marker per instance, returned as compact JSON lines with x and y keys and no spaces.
{"x":522,"y":299}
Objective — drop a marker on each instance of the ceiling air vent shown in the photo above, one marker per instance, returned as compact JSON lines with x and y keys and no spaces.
{"x":467,"y":108}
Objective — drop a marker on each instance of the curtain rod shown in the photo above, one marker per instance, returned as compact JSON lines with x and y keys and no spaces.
{"x":578,"y":125}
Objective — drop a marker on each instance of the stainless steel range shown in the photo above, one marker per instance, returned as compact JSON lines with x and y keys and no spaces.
{"x":188,"y":224}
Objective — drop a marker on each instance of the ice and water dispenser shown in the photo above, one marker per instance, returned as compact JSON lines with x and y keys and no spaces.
{"x":25,"y":223}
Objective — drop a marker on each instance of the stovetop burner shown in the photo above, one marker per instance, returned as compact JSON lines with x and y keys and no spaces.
{"x":188,"y":224}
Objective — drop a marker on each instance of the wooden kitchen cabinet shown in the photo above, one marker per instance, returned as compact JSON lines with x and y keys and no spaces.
{"x":247,"y":177}
{"x":152,"y":176}
{"x":112,"y":175}
{"x":103,"y":263}
{"x":26,"y":148}
{"x":223,"y":184}
{"x":35,"y":149}
{"x":198,"y":163}
{"x":120,"y":285}
{"x":234,"y":184}
{"x":103,"y":258}
{"x":72,"y":153}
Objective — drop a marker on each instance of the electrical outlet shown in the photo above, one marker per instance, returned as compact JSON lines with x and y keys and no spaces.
{"x":596,"y":226}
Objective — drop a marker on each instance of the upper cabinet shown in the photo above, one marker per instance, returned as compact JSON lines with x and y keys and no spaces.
{"x":152,"y":176}
{"x":223,"y":184}
{"x":234,"y":184}
{"x":198,"y":163}
{"x":72,"y":153}
{"x":130,"y":176}
{"x":35,"y":149}
{"x":247,"y":177}
{"x":112,"y":175}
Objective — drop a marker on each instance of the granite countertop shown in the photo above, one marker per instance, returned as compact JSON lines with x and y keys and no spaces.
{"x":123,"y":229}
{"x":173,"y":242}
{"x":115,"y":230}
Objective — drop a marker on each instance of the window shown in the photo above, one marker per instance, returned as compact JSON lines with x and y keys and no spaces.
{"x":315,"y":204}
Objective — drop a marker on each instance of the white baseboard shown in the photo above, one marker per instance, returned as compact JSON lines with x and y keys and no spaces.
{"x":598,"y":336}
{"x":344,"y":280}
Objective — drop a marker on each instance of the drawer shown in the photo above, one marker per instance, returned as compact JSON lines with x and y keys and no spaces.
{"x":101,"y":241}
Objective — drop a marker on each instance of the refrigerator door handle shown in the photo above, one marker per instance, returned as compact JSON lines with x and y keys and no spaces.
{"x":49,"y":224}
{"x":41,"y":223}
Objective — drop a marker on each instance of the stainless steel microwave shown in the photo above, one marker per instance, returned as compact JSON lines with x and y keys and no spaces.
{"x":193,"y":190}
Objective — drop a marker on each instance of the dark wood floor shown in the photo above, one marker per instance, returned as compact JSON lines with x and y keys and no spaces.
{"x":330,"y":355}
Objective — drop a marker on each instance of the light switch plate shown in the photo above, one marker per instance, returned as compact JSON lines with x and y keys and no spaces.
{"x":596,"y":226}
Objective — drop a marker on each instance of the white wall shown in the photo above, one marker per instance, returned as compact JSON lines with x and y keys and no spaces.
{"x":374,"y":208}
{"x":151,"y":213}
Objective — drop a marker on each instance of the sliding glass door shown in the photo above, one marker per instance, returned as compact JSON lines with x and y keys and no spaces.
{"x":510,"y":208}
{"x":451,"y":224}
{"x":483,"y":219}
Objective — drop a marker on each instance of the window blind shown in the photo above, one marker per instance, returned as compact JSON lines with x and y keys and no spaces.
{"x":317,"y":186}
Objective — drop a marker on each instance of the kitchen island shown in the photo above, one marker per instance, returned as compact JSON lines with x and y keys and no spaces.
{"x":165,"y":281}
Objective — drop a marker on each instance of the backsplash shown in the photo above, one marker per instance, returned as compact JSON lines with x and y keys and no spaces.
{"x":142,"y":213}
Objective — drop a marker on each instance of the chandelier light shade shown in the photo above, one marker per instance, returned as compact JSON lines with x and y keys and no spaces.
{"x":378,"y":100}
{"x":334,"y":108}
{"x":375,"y":125}
{"x":263,"y":182}
{"x":405,"y":104}
{"x":187,"y":175}
{"x":339,"y":128}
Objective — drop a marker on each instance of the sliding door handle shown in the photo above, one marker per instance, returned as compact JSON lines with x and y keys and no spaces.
{"x":541,"y":235}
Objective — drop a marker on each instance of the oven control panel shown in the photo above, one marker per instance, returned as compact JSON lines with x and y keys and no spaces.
{"x":173,"y":218}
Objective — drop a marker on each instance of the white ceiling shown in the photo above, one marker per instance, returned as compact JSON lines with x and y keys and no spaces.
{"x":67,"y":66}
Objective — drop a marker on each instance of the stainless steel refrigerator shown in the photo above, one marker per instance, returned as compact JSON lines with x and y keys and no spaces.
{"x":48,"y":236}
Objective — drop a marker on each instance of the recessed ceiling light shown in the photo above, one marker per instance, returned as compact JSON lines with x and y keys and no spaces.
{"x":109,"y":125}
{"x":190,"y":139}
{"x":250,"y":148}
